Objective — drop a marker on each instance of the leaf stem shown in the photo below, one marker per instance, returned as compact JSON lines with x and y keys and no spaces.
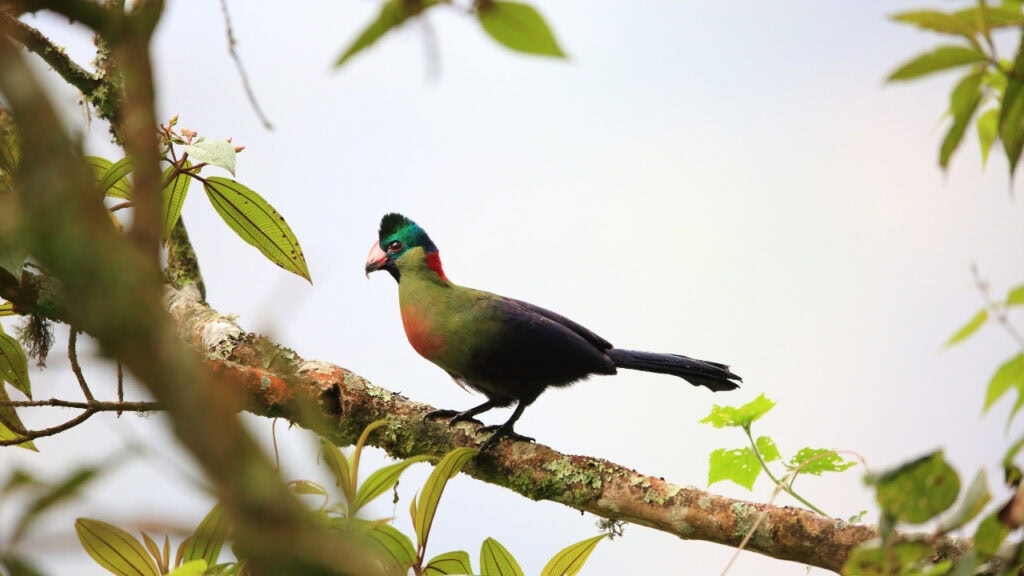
{"x":783,"y":485}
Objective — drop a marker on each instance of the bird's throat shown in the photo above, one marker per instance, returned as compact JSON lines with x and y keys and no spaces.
{"x":434,"y":263}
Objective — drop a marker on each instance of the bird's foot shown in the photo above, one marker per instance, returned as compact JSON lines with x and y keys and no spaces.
{"x":500,"y":432}
{"x":454,"y":417}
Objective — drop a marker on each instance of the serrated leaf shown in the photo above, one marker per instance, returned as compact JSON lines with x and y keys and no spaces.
{"x":1009,"y":375}
{"x":392,"y":14}
{"x":918,"y":490}
{"x":192,"y":568}
{"x":938,"y":60}
{"x":975,"y":499}
{"x":256,"y":222}
{"x":14,"y":365}
{"x":1011,"y":112}
{"x":968,"y":329}
{"x":114,"y":549}
{"x":219,"y":153}
{"x":449,"y":465}
{"x":817,"y":461}
{"x":739,"y":465}
{"x":383,"y":480}
{"x":935,"y":21}
{"x":114,"y":182}
{"x":989,"y":536}
{"x":496,"y":560}
{"x":396,"y":548}
{"x":570,"y":559}
{"x":988,"y":130}
{"x":518,"y":27}
{"x":963,"y":103}
{"x":744,"y":416}
{"x":456,"y":562}
{"x":766,"y":446}
{"x":206,"y":542}
{"x":174,"y":193}
{"x":1016,"y":296}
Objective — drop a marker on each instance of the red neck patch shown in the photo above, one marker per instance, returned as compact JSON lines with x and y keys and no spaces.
{"x":434,"y":263}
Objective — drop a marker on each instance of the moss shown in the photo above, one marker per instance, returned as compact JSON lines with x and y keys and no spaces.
{"x":378,"y":393}
{"x":704,"y":502}
{"x":746,"y":514}
{"x":578,"y":485}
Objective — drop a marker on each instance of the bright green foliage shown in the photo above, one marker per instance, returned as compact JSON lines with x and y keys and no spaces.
{"x":988,"y":131}
{"x":766,"y":446}
{"x":570,"y":559}
{"x":918,"y":490}
{"x":256,"y":222}
{"x":393,"y":13}
{"x":6,"y":309}
{"x":113,"y":178}
{"x":739,"y":465}
{"x":176,"y":182}
{"x":744,"y":416}
{"x":14,"y":371}
{"x":942,"y":58}
{"x":495,"y":560}
{"x":1016,"y":296}
{"x":518,"y":27}
{"x":394,"y":549}
{"x":456,"y":562}
{"x":968,"y":329}
{"x":208,"y":539}
{"x":903,"y":558}
{"x":429,"y":498}
{"x":963,"y":103}
{"x":193,"y":568}
{"x":1009,"y":376}
{"x":817,"y":461}
{"x":989,"y":536}
{"x":114,"y":549}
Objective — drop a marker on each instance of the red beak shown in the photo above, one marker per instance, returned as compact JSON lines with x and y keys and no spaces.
{"x":376,"y":259}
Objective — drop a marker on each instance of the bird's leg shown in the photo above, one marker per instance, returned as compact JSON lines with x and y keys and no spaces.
{"x":505,"y":430}
{"x":466,"y":416}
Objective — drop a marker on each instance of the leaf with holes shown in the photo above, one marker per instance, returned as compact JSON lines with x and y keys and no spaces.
{"x":817,"y":461}
{"x":767,"y":448}
{"x":740,"y":465}
{"x":496,"y":560}
{"x":743,"y":417}
{"x":518,"y":27}
{"x":449,"y":465}
{"x":256,"y":222}
{"x":570,"y":559}
{"x":456,"y":562}
{"x":219,"y":153}
{"x":114,"y":549}
{"x":174,"y":197}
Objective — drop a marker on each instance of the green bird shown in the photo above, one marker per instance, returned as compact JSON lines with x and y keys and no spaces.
{"x":506,"y":349}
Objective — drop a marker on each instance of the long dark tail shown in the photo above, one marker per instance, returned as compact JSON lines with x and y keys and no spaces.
{"x":697,"y":372}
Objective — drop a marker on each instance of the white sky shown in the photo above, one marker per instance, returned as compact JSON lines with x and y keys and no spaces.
{"x":731,"y":181}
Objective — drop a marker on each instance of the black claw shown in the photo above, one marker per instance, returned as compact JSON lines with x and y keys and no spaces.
{"x":499,"y":433}
{"x":454,"y":417}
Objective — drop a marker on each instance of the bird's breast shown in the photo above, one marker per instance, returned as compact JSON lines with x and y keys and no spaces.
{"x":421,"y":332}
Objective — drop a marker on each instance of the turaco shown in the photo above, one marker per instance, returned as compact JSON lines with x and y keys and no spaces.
{"x":506,"y":349}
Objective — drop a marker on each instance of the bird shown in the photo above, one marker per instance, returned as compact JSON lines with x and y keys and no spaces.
{"x":509,"y":350}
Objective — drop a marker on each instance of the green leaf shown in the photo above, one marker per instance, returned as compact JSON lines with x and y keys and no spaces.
{"x":518,"y":27}
{"x":817,"y":461}
{"x":340,"y":467}
{"x":994,"y":17}
{"x":14,"y":365}
{"x":495,"y":560}
{"x":114,"y":549}
{"x":766,"y":446}
{"x":392,"y":14}
{"x":11,"y":426}
{"x":988,"y":130}
{"x":383,"y":480}
{"x":13,"y":255}
{"x":114,"y":182}
{"x":743,"y":416}
{"x":449,"y":465}
{"x":219,"y":153}
{"x":570,"y":559}
{"x":878,"y":560}
{"x":256,"y":222}
{"x":1009,"y":375}
{"x":975,"y":499}
{"x":918,"y":490}
{"x":1015,"y":296}
{"x":1011,"y":115}
{"x":207,"y":540}
{"x":396,"y":550}
{"x":739,"y":465}
{"x":174,"y":197}
{"x":935,"y":21}
{"x":193,"y":568}
{"x":307,"y":487}
{"x":942,"y":58}
{"x":6,"y":309}
{"x":154,"y":550}
{"x":456,"y":562}
{"x":963,"y":103}
{"x":10,"y":151}
{"x":989,"y":536}
{"x":8,"y":434}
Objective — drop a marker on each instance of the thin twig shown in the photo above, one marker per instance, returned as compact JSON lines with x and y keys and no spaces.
{"x":89,"y":408}
{"x":996,"y":309}
{"x":76,"y":367}
{"x":120,"y":384}
{"x":241,"y":69}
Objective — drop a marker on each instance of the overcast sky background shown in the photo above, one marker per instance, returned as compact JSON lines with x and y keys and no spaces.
{"x":727,"y":180}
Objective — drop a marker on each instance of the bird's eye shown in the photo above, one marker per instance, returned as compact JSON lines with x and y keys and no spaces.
{"x":394,"y":246}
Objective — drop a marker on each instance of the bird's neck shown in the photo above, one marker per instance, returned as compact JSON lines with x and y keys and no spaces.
{"x":434,"y":264}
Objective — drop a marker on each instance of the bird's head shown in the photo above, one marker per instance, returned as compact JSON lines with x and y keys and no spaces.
{"x":402,"y":244}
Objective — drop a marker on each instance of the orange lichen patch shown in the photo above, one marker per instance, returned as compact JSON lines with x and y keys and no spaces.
{"x":271,"y":388}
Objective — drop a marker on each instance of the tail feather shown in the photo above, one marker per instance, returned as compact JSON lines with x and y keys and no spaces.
{"x":711,"y":375}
